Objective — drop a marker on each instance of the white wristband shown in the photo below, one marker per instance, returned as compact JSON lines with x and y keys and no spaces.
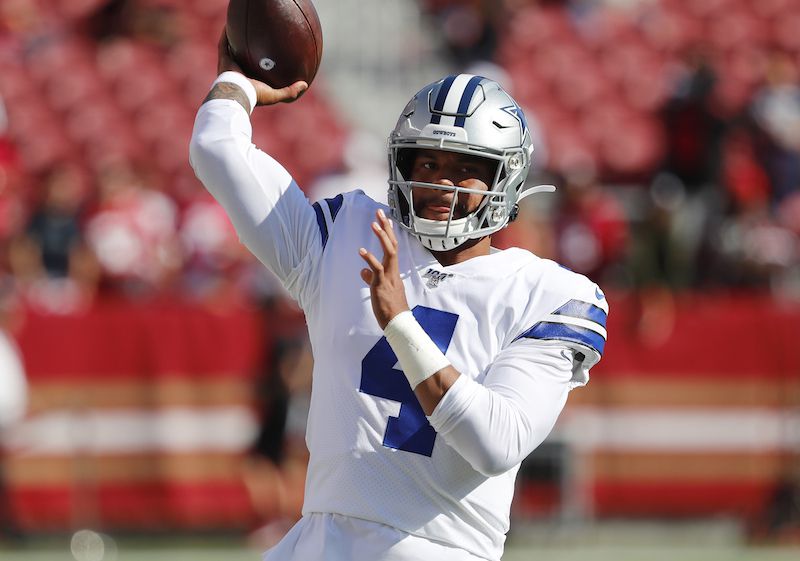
{"x":418,"y":355}
{"x":240,"y":80}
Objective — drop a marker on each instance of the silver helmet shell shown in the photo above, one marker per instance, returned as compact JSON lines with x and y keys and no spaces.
{"x":471,"y":115}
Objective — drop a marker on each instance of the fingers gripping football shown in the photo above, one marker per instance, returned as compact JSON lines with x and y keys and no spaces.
{"x":383,"y":276}
{"x":265,"y":94}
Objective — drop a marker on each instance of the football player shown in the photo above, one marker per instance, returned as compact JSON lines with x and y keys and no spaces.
{"x":440,"y":362}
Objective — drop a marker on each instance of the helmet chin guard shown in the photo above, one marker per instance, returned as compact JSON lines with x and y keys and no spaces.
{"x":470,"y":115}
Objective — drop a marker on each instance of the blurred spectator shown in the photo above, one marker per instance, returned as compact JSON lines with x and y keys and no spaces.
{"x":53,"y":231}
{"x":779,"y":523}
{"x":694,"y":130}
{"x":468,"y":27}
{"x":13,"y":396}
{"x":745,"y":180}
{"x":149,"y":21}
{"x":590,"y":226}
{"x":24,"y":25}
{"x":213,"y":257}
{"x":276,"y":469}
{"x":756,"y":249}
{"x":133,"y":232}
{"x":49,"y":258}
{"x":776,"y":109}
{"x":365,"y":169}
{"x":686,"y":193}
{"x":12,"y":206}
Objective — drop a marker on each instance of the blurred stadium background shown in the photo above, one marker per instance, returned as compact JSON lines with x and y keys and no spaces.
{"x":167,"y":374}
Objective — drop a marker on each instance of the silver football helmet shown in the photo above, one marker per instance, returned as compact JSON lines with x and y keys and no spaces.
{"x":471,"y":115}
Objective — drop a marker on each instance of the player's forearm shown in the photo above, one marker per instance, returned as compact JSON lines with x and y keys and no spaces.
{"x":430,"y":391}
{"x":489,"y":430}
{"x":495,"y":424}
{"x":227,"y":90}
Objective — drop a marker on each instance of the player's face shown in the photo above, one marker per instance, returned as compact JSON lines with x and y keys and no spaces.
{"x":450,"y":169}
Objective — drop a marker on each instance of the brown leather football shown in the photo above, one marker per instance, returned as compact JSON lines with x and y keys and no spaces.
{"x":275,"y":41}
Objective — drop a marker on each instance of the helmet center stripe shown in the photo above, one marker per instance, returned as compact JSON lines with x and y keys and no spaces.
{"x":440,"y":99}
{"x":466,"y":99}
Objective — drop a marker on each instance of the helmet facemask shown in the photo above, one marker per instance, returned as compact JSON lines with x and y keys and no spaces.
{"x":491,"y":215}
{"x":469,"y":115}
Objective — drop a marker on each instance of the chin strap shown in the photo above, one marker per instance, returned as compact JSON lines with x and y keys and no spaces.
{"x":536,"y":189}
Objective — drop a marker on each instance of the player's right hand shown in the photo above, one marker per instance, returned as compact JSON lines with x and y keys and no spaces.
{"x":386,"y":288}
{"x":265,"y":94}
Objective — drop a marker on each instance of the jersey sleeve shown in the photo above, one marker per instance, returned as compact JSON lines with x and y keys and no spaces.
{"x":271,"y":215}
{"x":495,"y":424}
{"x":577,"y":322}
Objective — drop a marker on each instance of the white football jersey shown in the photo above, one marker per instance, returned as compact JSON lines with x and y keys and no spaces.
{"x":522,"y":331}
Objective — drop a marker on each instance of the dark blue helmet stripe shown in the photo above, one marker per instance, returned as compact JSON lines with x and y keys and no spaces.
{"x":466,"y":98}
{"x":323,"y":228}
{"x":582,"y":310}
{"x":438,"y":105}
{"x":334,"y":205}
{"x":562,"y":332}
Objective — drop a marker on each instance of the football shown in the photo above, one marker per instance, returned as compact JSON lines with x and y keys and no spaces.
{"x":275,"y":41}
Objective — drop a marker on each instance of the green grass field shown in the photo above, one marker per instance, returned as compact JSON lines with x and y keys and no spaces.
{"x":622,"y":541}
{"x":605,"y":553}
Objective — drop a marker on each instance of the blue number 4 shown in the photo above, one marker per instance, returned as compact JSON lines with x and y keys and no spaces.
{"x":410,"y":430}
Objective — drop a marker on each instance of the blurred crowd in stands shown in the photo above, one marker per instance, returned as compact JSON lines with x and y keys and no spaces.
{"x":671,"y":127}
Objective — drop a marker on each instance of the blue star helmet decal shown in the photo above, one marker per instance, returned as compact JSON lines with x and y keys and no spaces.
{"x":516,"y":112}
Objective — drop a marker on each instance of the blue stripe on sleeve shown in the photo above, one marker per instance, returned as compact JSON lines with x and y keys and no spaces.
{"x":582,"y":310}
{"x":323,"y":228}
{"x":334,"y":205}
{"x":466,"y":98}
{"x":546,"y":330}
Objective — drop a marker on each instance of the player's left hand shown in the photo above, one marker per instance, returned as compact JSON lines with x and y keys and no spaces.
{"x":383,"y":277}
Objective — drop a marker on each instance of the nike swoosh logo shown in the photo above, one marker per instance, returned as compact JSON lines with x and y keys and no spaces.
{"x":566,"y":355}
{"x":599,"y":294}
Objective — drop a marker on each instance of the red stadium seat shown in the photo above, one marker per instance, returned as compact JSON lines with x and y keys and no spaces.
{"x":581,"y":85}
{"x":77,"y":9}
{"x":634,"y":147}
{"x":785,"y":31}
{"x":124,"y":56}
{"x":141,"y":86}
{"x":569,"y":149}
{"x":81,"y":85}
{"x":534,"y":26}
{"x":774,"y":8}
{"x":731,"y":29}
{"x":90,"y":121}
{"x":16,"y":83}
{"x":599,"y":120}
{"x":57,"y":56}
{"x":668,"y":30}
{"x":46,"y":148}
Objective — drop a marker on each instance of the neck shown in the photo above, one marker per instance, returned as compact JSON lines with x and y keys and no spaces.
{"x":467,"y":250}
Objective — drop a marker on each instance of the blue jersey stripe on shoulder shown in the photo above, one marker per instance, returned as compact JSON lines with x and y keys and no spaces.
{"x":335,"y":205}
{"x":323,"y":228}
{"x":562,"y":332}
{"x":582,"y":310}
